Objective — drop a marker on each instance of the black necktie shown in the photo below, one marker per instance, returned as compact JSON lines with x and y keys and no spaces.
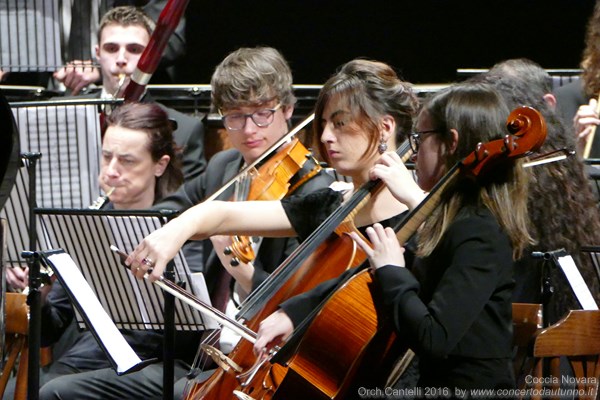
{"x":79,"y":47}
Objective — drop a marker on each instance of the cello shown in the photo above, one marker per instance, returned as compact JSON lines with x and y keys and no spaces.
{"x":303,"y":270}
{"x":317,"y":374}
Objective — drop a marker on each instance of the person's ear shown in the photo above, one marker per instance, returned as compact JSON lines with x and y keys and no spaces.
{"x":453,"y":145}
{"x":387,"y":128}
{"x":161,"y":165}
{"x":550,"y":99}
{"x":97,"y":51}
{"x":288,"y":111}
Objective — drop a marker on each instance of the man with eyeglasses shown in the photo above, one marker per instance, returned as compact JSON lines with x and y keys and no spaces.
{"x":252,"y":91}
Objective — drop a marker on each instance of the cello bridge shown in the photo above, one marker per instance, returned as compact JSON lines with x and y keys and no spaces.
{"x":226,"y":363}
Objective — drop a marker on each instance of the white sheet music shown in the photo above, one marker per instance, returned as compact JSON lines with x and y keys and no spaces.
{"x":68,"y":136}
{"x":29,"y":35}
{"x":581,"y":290}
{"x":116,"y":345}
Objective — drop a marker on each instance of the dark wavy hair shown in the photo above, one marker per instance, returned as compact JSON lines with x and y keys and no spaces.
{"x":371,"y":89}
{"x":590,"y":62}
{"x":562,"y":207}
{"x":152,"y":119}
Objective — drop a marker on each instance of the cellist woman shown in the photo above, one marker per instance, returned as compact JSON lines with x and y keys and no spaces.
{"x":359,"y":114}
{"x":452,"y":306}
{"x":361,"y":111}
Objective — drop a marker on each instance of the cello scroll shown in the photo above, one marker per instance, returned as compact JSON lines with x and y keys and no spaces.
{"x":527,"y":134}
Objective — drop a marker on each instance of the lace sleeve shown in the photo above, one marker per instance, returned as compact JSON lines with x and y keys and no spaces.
{"x":307,"y":212}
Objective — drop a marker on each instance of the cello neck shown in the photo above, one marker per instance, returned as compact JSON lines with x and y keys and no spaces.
{"x":282,"y":274}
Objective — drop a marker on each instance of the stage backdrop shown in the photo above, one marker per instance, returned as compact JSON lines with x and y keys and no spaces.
{"x":426,"y":40}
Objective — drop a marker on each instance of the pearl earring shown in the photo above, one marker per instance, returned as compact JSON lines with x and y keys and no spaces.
{"x":382,"y":148}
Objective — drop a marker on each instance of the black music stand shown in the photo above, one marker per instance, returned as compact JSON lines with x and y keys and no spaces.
{"x":34,"y":299}
{"x":86,"y":235}
{"x":120,"y":354}
{"x":562,"y":261}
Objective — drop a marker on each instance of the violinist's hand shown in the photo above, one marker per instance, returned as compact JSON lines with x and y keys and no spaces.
{"x":398,"y":179}
{"x":272,"y":331}
{"x":157,"y":249}
{"x":77,"y":74}
{"x":17,"y":277}
{"x":386,"y":248}
{"x":584,"y":122}
{"x":3,"y":75}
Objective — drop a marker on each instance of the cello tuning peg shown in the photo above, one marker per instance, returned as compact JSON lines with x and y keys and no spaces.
{"x":227,"y":251}
{"x":234,"y":262}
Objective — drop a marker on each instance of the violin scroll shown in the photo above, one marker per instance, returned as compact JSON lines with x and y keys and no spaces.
{"x":241,"y":250}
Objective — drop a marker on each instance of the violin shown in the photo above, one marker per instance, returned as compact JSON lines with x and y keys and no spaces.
{"x":323,"y":366}
{"x":321,"y":256}
{"x":271,"y":182}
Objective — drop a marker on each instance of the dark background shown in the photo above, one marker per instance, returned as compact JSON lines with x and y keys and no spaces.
{"x":426,"y":40}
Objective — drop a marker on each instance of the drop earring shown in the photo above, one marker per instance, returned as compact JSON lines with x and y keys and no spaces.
{"x":382,"y":148}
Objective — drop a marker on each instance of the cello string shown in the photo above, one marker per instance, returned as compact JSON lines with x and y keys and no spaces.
{"x":283,"y":272}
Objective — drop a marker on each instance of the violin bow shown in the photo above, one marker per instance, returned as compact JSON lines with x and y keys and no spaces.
{"x":194,"y":301}
{"x":264,"y":155}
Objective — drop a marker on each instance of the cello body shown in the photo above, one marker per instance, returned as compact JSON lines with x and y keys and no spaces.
{"x":334,"y":368}
{"x":314,"y":262}
{"x":334,"y":256}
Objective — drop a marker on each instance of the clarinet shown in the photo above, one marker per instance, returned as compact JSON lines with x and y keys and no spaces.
{"x":101,"y":200}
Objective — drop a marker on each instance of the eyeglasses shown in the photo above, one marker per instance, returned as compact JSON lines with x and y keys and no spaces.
{"x":261,"y":118}
{"x":415,"y":139}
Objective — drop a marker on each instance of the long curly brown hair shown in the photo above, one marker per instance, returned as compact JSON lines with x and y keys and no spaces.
{"x":562,"y":207}
{"x":590,"y":62}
